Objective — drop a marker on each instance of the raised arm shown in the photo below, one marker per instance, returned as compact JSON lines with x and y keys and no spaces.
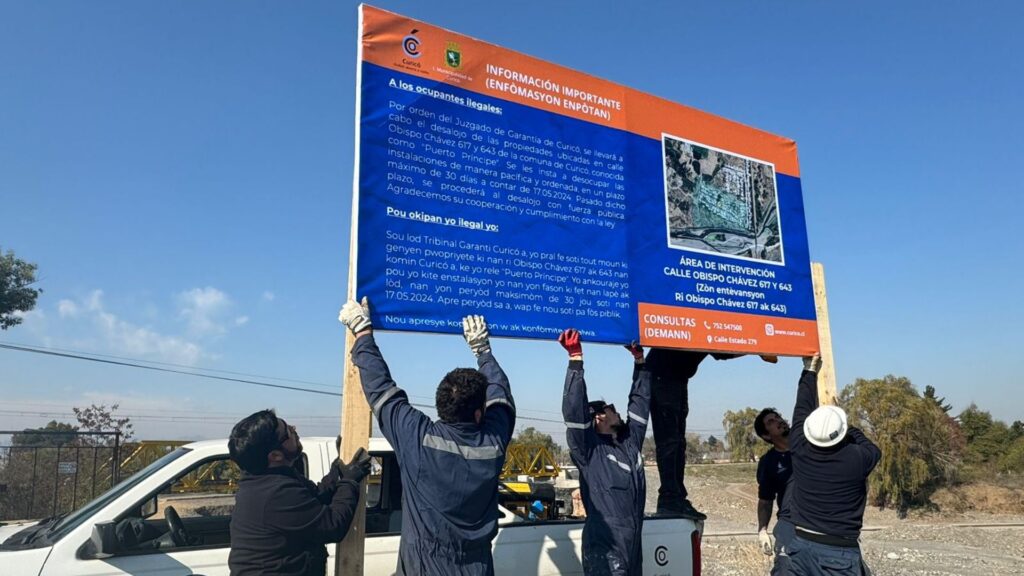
{"x":806,"y":399}
{"x":871,"y":454}
{"x":639,"y":410}
{"x":500,"y":412}
{"x":299,"y":513}
{"x":399,"y":422}
{"x":579,"y":433}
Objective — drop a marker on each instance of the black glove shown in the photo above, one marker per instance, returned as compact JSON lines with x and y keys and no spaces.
{"x":357,"y":468}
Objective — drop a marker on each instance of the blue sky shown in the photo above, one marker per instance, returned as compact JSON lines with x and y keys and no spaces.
{"x":181,"y":172}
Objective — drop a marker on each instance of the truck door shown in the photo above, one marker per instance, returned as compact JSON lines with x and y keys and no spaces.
{"x":182,"y":529}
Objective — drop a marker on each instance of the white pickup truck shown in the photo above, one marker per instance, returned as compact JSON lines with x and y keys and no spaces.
{"x":171,"y":519}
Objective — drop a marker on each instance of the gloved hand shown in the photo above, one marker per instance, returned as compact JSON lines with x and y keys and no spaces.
{"x":570,"y":340}
{"x":474,"y":329}
{"x":812,"y":363}
{"x":357,"y":468}
{"x":636,"y":350}
{"x":356,"y":316}
{"x":764,"y":540}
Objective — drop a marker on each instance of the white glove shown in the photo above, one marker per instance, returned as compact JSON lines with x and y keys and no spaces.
{"x":812,"y":363}
{"x":356,"y":316}
{"x":764,"y":540}
{"x":474,"y":329}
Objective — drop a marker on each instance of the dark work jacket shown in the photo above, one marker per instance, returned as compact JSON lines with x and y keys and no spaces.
{"x":282,"y":521}
{"x":612,"y":479}
{"x":829,"y":487}
{"x":449,"y":471}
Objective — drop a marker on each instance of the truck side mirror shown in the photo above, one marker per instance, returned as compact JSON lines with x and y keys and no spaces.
{"x":148,"y":508}
{"x":103,"y":541}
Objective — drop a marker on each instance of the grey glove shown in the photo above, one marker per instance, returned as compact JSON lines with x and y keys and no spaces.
{"x":474,"y":329}
{"x":357,"y":468}
{"x":812,"y":363}
{"x":356,"y":316}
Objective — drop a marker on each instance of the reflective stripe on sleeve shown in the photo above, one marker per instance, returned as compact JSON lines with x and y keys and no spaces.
{"x":500,"y":401}
{"x":576,"y":426}
{"x":384,"y":398}
{"x":637,"y":418}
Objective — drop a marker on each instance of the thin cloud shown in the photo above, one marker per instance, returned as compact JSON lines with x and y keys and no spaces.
{"x":128,"y":339}
{"x":268,"y":296}
{"x":205,"y":309}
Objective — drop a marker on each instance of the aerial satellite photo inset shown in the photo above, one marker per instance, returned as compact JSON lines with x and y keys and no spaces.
{"x":720,"y":202}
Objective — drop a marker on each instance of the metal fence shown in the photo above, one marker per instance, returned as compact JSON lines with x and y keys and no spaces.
{"x":43,"y":473}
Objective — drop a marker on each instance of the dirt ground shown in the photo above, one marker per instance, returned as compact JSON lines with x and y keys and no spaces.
{"x":959,"y":540}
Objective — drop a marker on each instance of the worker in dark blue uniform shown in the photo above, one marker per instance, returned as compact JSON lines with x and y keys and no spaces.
{"x":831,"y":464}
{"x":450,"y":467}
{"x":607,"y":452}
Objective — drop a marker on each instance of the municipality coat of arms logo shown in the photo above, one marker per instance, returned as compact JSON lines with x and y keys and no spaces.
{"x":452,"y":56}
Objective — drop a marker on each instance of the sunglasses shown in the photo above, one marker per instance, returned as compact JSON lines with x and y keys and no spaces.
{"x":289,"y":430}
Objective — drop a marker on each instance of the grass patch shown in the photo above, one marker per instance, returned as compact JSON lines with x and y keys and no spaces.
{"x":730,"y":473}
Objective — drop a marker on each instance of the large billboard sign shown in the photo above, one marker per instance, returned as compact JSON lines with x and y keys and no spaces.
{"x":489,"y":182}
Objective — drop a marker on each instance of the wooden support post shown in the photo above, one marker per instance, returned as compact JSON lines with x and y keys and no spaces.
{"x":827,"y":375}
{"x":355,"y":433}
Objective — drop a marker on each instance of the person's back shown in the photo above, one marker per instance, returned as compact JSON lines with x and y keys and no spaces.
{"x":830,"y":482}
{"x":831,"y":464}
{"x":450,"y":467}
{"x":450,"y":495}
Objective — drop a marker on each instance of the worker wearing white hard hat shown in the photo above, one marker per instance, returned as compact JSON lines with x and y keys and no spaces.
{"x":831,"y":463}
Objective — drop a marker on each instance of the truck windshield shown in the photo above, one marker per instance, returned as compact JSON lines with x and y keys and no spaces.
{"x":73,"y":520}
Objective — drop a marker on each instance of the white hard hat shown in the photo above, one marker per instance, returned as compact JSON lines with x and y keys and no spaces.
{"x":826,"y":426}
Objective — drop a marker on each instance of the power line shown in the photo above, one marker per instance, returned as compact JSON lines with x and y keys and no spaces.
{"x":210,"y":376}
{"x":159,"y":369}
{"x":137,"y":360}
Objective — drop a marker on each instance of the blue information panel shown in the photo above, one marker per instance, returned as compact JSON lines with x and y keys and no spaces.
{"x":496,"y":184}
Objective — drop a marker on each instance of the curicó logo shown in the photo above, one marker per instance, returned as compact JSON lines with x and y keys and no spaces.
{"x":411,"y":44}
{"x":453,"y":56}
{"x":661,"y":555}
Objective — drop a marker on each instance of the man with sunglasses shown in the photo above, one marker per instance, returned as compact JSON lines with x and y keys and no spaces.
{"x":607,"y":452}
{"x":282,"y":521}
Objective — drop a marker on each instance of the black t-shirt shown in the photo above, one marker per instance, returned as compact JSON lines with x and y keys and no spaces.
{"x":774,"y":472}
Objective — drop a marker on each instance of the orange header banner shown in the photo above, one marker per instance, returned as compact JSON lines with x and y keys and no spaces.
{"x":414,"y":47}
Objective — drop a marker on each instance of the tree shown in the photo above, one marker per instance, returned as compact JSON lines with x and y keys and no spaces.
{"x":929,"y":394}
{"x":987,"y":439}
{"x":16,"y":291}
{"x":1013,"y":459}
{"x":695,"y":450}
{"x":921,"y":445}
{"x":713,"y":444}
{"x":744,"y":446}
{"x":1017,"y":429}
{"x":53,"y":434}
{"x":102,"y":419}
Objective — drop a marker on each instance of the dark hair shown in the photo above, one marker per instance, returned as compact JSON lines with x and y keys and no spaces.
{"x":759,"y":428}
{"x":253,"y":439}
{"x":462,"y":392}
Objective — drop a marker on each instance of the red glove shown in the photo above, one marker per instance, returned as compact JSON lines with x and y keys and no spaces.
{"x":636,"y":350}
{"x":570,"y":340}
